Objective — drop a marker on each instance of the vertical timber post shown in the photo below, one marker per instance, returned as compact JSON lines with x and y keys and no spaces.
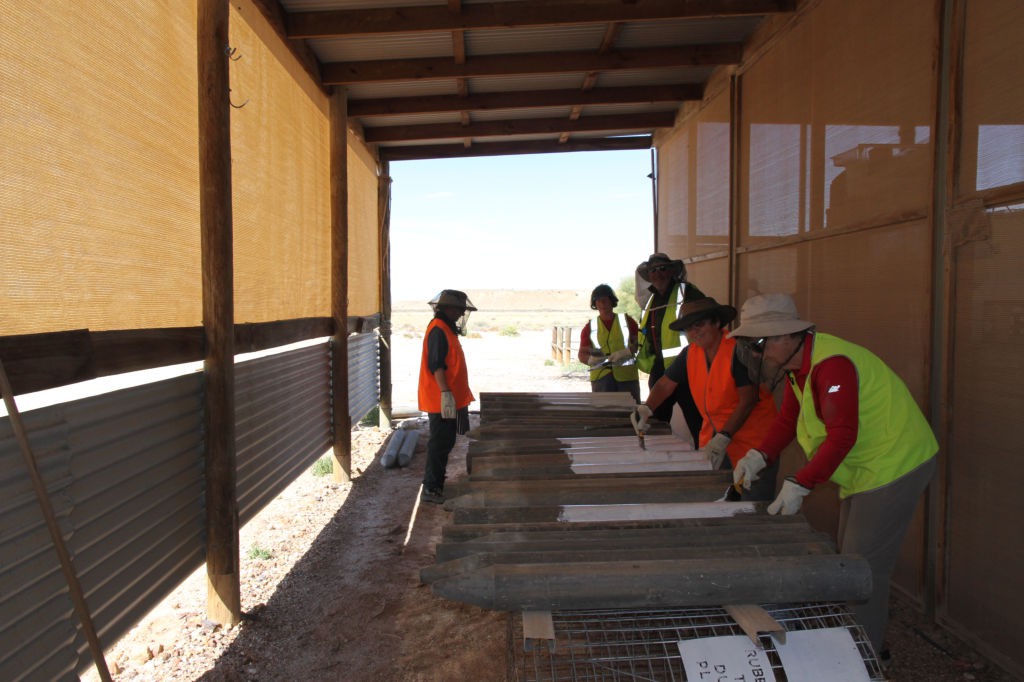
{"x":384,"y":216}
{"x":223,"y":603}
{"x":342,"y":422}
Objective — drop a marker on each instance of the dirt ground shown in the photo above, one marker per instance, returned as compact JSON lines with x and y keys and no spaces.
{"x":330,"y":574}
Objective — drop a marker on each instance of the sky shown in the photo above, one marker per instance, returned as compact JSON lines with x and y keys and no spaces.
{"x":532,"y":221}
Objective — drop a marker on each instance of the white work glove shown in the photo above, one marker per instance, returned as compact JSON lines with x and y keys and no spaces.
{"x":748,"y":469}
{"x":715,"y":449}
{"x":447,"y":405}
{"x":790,"y":498}
{"x":639,"y":417}
{"x":620,"y":356}
{"x":595,"y":359}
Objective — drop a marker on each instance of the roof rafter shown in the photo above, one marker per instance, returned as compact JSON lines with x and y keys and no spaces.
{"x":717,"y":54}
{"x":527,"y":126}
{"x":529,"y":99}
{"x":447,"y":151}
{"x":334,"y":23}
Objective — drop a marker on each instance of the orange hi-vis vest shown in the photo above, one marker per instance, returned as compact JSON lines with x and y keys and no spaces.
{"x":456,"y":374}
{"x":714,"y":392}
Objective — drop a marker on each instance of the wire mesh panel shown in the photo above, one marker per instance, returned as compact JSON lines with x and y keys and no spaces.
{"x":616,"y":645}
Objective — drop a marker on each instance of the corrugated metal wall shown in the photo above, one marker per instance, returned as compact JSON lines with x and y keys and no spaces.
{"x":835,"y":186}
{"x":363,"y":374}
{"x":124,"y":471}
{"x":282,"y":422}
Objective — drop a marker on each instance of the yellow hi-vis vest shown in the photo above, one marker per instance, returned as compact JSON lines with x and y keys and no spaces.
{"x":672,"y":342}
{"x":610,"y":340}
{"x":893,"y":437}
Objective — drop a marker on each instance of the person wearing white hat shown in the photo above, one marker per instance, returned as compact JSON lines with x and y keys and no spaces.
{"x":859,"y":427}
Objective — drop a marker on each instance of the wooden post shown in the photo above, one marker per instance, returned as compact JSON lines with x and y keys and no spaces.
{"x":223,"y":592}
{"x":384,"y":214}
{"x":342,"y":422}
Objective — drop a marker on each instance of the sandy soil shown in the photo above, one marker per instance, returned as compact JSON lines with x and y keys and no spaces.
{"x":339,"y":596}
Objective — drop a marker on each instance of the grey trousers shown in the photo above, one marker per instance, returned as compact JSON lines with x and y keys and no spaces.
{"x":873,"y":524}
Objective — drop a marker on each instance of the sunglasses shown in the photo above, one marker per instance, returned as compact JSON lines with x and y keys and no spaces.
{"x":658,"y":268}
{"x":756,"y":345}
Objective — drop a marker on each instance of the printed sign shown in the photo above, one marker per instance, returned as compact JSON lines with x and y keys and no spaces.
{"x":828,"y":654}
{"x":725,"y":659}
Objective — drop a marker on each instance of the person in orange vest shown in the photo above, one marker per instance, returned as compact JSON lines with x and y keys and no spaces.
{"x":859,"y":427}
{"x":444,"y":392}
{"x":735,"y":411}
{"x":607,"y":345}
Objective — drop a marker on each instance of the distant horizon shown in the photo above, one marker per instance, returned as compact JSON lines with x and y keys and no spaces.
{"x":567,"y":221}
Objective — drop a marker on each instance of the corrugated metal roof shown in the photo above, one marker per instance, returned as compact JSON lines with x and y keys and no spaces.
{"x":512,"y":47}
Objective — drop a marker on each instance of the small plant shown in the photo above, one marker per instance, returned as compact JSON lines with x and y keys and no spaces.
{"x":372,"y":418}
{"x":510,"y":330}
{"x":549,"y":362}
{"x":257,"y":552}
{"x":323,"y":466}
{"x":474,"y":335}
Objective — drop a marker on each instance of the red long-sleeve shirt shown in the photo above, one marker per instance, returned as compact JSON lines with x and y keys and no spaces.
{"x":835,"y":389}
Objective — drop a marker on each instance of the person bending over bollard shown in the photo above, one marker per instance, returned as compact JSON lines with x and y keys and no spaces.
{"x":859,"y":427}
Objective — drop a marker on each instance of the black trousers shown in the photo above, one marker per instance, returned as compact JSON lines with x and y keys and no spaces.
{"x":439,"y":446}
{"x":682,"y":398}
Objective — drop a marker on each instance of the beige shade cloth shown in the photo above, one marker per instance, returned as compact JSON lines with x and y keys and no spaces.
{"x":99,"y":202}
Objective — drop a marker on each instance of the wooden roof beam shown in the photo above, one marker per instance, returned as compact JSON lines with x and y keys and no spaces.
{"x":528,"y":126}
{"x":334,"y":23}
{"x":432,"y":68}
{"x":530,"y":99}
{"x":458,"y":150}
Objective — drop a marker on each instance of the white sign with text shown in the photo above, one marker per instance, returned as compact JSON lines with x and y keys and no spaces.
{"x":724,"y":659}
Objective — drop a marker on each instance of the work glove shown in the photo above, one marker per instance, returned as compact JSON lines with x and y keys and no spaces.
{"x":715,"y":449}
{"x":595,"y":359}
{"x":790,"y":498}
{"x":620,"y":356}
{"x":447,"y":405}
{"x":748,"y":469}
{"x":641,"y":414}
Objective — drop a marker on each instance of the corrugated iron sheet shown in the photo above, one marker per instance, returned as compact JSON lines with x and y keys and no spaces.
{"x":124,"y":472}
{"x":383,"y":46}
{"x":283,"y":422}
{"x":363,"y":374}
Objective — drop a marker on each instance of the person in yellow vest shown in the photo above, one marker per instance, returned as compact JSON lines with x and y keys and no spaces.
{"x":860,"y":428}
{"x":736,"y":412}
{"x":607,"y":345}
{"x":444,"y":392}
{"x":659,"y":343}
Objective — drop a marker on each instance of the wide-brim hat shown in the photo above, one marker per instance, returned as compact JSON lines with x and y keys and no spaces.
{"x":693,"y":311}
{"x":452,"y":298}
{"x":769,"y":315}
{"x":676,"y":267}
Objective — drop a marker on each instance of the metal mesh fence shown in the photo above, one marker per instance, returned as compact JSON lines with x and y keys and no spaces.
{"x":617,"y":645}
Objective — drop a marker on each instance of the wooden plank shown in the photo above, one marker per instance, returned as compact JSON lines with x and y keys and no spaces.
{"x":592,"y":512}
{"x":491,"y":15}
{"x":482,"y":530}
{"x":661,"y":583}
{"x":433,"y":68}
{"x":519,"y":147}
{"x":468,"y":563}
{"x":636,"y":541}
{"x":754,"y":621}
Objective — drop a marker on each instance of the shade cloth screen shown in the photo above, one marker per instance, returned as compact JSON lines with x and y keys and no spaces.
{"x":693,"y":183}
{"x":363,"y":230}
{"x":99,"y":200}
{"x":837,"y":121}
{"x":280,"y":175}
{"x":992,"y":132}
